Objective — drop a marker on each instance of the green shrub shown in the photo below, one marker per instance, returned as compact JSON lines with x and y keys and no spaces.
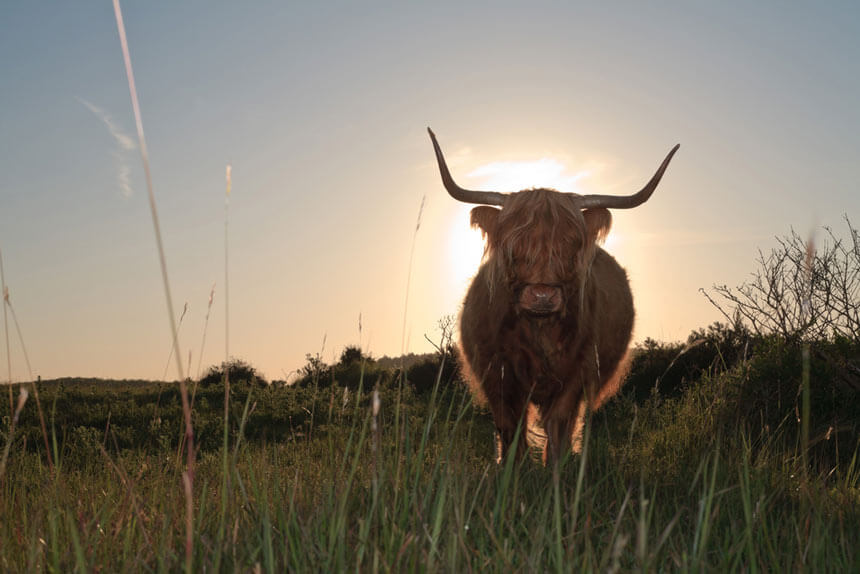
{"x":240,"y":373}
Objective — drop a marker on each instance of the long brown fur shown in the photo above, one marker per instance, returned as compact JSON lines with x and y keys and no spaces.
{"x":556,"y":362}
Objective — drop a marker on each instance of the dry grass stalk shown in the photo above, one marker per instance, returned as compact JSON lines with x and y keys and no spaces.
{"x":22,"y":398}
{"x":205,"y":327}
{"x":808,"y":262}
{"x":172,"y":347}
{"x":188,"y":475}
{"x":6,"y":332}
{"x":8,"y":301}
{"x":127,"y":482}
{"x":403,"y":343}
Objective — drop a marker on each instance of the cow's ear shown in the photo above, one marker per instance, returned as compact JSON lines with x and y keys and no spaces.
{"x":597,"y":223}
{"x":486,"y":218}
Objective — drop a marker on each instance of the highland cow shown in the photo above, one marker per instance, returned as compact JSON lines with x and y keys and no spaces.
{"x":547,"y":320}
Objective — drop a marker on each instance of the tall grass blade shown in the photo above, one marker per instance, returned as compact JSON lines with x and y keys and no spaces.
{"x":8,"y":302}
{"x":80,"y":558}
{"x":806,"y":309}
{"x":152,"y":204}
{"x":5,"y":294}
{"x":205,"y":327}
{"x":403,"y":344}
{"x":409,"y":278}
{"x":746,"y":500}
{"x":188,"y":475}
{"x":229,"y":178}
{"x":22,"y":398}
{"x":172,"y":349}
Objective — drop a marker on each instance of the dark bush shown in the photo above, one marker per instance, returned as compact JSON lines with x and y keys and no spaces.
{"x":422,"y":376}
{"x":240,"y":373}
{"x":667,"y":368}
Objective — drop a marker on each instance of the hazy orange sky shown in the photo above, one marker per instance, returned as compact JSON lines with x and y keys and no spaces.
{"x":321,"y":109}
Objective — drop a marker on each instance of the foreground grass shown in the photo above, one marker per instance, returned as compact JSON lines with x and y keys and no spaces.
{"x":420,"y":492}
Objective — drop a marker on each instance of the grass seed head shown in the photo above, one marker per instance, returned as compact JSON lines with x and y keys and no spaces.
{"x":23,"y":394}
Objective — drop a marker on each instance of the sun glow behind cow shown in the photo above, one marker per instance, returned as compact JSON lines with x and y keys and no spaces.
{"x":466,"y":244}
{"x":465,"y":249}
{"x":516,"y":175}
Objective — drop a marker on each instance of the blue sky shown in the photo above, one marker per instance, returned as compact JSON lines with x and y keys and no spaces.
{"x":322,"y":109}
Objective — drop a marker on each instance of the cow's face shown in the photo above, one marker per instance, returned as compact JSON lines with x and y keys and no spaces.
{"x":540,"y":246}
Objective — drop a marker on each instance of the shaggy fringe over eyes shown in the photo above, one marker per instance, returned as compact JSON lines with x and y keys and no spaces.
{"x":543,"y":232}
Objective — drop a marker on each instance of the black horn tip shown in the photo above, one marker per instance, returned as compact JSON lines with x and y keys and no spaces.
{"x":669,"y":157}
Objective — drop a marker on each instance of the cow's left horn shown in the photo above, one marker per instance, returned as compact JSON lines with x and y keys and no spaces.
{"x":457,"y":192}
{"x":628,"y":201}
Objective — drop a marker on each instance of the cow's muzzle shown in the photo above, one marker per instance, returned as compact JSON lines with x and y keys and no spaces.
{"x":541,"y":299}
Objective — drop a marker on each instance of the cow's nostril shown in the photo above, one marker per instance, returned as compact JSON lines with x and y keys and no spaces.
{"x":542,"y":299}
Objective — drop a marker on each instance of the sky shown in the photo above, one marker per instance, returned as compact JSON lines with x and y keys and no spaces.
{"x":321,"y":109}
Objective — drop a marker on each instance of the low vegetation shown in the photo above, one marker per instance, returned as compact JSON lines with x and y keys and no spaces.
{"x":696,"y":467}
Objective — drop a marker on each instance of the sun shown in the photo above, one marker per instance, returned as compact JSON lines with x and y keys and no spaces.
{"x":465,"y":249}
{"x":517,"y":175}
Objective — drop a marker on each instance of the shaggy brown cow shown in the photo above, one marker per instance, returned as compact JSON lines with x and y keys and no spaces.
{"x":549,"y":316}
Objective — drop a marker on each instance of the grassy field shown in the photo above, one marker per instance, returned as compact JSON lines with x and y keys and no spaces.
{"x":314,"y":478}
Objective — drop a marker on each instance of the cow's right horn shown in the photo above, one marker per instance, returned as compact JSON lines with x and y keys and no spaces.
{"x":457,"y":192}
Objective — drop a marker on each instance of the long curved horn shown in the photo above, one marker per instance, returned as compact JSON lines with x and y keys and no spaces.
{"x":457,"y":192}
{"x":628,"y":201}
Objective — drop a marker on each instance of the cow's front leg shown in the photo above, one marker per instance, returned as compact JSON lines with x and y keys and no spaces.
{"x":506,"y":435}
{"x":509,"y":407}
{"x":559,"y":421}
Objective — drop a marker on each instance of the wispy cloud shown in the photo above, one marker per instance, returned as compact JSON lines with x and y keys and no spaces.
{"x":125,"y":145}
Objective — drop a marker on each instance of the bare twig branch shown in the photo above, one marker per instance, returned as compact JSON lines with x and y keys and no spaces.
{"x":799,"y":293}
